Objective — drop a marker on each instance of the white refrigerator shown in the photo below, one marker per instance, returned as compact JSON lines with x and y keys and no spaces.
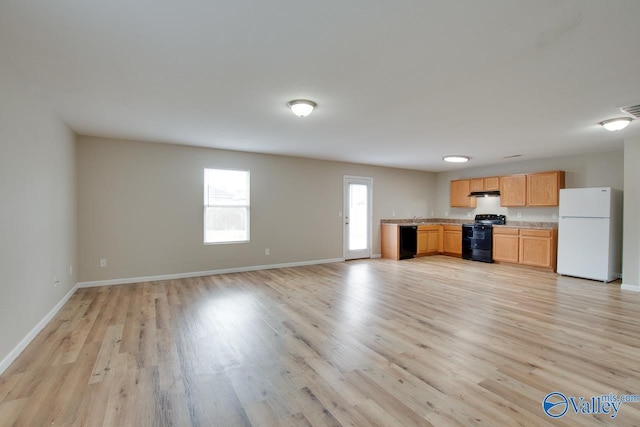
{"x":590,"y":233}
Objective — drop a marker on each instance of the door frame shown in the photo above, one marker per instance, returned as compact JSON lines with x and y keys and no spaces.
{"x":368,"y":181}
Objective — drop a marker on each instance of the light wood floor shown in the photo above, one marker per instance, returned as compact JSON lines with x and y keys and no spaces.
{"x":431,"y":341}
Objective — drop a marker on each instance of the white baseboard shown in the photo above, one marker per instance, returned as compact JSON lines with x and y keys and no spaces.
{"x":13,"y":355}
{"x":376,"y":256}
{"x":203,"y":273}
{"x":626,"y":287}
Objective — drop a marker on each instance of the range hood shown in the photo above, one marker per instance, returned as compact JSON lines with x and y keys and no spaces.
{"x":492,"y":193}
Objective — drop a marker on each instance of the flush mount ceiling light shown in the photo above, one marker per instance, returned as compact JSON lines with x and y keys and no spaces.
{"x":616,"y":124}
{"x":456,"y":159}
{"x":301,"y":107}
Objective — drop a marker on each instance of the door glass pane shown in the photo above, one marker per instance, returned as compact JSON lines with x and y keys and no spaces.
{"x":358,"y":208}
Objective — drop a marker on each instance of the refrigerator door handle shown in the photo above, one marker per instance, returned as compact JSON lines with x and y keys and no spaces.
{"x":583,"y":217}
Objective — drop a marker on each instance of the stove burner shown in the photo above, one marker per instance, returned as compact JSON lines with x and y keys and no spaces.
{"x":490,"y":219}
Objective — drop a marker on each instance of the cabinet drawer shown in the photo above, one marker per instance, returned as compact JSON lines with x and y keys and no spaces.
{"x":510,"y":231}
{"x":536,"y":233}
{"x":452,"y":228}
{"x":428,"y":227}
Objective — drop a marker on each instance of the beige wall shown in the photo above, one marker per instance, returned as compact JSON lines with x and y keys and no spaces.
{"x":588,"y":170}
{"x":140,"y":207}
{"x":37,"y":213}
{"x":631,"y":232}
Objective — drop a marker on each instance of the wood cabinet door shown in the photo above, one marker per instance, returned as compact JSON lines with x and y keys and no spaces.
{"x":513,"y":190}
{"x":543,"y":189}
{"x":492,"y":183}
{"x":506,"y":247}
{"x":477,"y":184}
{"x":459,"y":194}
{"x":423,"y":242}
{"x":536,"y":248}
{"x":433,"y":240}
{"x":452,"y":239}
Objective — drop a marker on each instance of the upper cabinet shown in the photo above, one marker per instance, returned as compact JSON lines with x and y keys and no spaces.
{"x":533,"y":189}
{"x":459,"y":194}
{"x":476,"y":184}
{"x":543,"y":189}
{"x":492,"y":183}
{"x":513,"y":190}
{"x":485,"y":184}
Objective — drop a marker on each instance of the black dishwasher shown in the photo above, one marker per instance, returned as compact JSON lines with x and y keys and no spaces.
{"x":408,"y":241}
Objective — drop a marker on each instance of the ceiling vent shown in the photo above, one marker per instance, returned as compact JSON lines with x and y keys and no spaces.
{"x":634,"y":111}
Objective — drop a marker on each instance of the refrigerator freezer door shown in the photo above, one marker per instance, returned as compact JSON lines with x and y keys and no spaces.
{"x":585,"y":202}
{"x":583,"y":248}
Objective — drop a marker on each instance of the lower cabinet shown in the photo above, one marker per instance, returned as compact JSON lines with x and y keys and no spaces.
{"x":538,"y":248}
{"x":390,"y":241}
{"x":452,"y":239}
{"x":429,"y":239}
{"x":525,"y":246}
{"x":506,"y":243}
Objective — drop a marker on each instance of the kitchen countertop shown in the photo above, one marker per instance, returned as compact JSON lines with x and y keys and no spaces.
{"x":447,"y":221}
{"x":530,"y":224}
{"x":425,"y":221}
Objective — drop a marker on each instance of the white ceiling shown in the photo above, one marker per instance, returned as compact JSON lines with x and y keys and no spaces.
{"x":398,"y":83}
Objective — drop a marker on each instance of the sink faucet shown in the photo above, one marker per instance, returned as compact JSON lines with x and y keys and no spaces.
{"x":415,"y":219}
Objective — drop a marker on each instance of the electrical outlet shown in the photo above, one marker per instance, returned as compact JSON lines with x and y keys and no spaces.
{"x":554,"y":216}
{"x":519,"y":215}
{"x":433,"y":213}
{"x":446,"y":213}
{"x":103,"y":262}
{"x":393,"y":214}
{"x":56,"y":282}
{"x":468,"y":214}
{"x":71,"y":270}
{"x":267,"y":251}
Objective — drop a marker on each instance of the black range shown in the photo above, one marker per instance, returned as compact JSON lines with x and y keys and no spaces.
{"x":477,"y":238}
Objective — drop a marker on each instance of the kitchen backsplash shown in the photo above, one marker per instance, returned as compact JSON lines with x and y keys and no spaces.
{"x":491,"y":205}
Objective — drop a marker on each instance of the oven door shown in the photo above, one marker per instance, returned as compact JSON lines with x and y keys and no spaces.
{"x":467,"y":237}
{"x":477,"y":242}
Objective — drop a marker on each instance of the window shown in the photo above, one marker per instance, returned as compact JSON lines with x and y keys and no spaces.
{"x":226,"y":206}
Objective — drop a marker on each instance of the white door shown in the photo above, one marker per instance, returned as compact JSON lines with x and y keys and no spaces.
{"x":357,"y":217}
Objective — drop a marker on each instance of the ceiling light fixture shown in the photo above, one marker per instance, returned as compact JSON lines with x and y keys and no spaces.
{"x":456,"y":159}
{"x":616,"y":124}
{"x":301,"y":107}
